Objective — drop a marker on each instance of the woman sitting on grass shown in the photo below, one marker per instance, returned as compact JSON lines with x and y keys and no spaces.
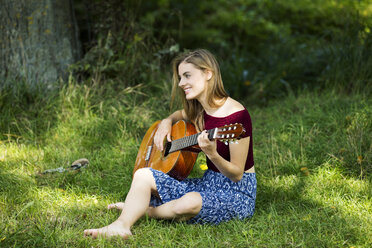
{"x":227,"y":189}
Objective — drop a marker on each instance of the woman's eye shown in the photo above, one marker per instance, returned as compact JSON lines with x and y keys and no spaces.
{"x":187,"y":76}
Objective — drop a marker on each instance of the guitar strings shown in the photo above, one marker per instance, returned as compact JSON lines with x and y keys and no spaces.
{"x":187,"y":141}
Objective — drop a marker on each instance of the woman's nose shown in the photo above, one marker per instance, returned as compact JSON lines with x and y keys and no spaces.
{"x":181,"y":83}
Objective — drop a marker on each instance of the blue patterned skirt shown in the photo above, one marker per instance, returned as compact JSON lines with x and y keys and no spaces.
{"x":223,"y":199}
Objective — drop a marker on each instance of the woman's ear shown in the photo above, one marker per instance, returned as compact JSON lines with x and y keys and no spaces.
{"x":209,"y":74}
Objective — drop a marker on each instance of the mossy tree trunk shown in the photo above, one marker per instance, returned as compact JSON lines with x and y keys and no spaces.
{"x":38,"y":40}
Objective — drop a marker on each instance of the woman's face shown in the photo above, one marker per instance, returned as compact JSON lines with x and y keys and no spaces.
{"x":193,"y":81}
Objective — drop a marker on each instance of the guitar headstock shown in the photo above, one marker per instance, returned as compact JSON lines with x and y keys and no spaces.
{"x":230,"y":133}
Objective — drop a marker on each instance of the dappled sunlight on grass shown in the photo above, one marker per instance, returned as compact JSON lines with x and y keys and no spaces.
{"x":57,"y":198}
{"x":20,"y":158}
{"x":349,"y":195}
{"x":324,"y":199}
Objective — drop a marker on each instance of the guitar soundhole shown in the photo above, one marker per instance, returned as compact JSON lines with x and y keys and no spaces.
{"x":167,"y":148}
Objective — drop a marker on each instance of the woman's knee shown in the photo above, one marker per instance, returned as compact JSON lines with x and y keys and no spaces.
{"x":190,"y":203}
{"x":144,"y":175}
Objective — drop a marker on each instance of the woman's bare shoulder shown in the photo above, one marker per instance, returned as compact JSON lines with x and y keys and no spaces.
{"x":232,"y":106}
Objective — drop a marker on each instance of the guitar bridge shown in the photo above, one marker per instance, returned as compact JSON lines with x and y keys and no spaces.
{"x":148,"y":153}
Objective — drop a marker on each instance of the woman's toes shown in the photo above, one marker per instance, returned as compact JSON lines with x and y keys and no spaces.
{"x":95,"y":233}
{"x":87,"y":232}
{"x":118,"y":205}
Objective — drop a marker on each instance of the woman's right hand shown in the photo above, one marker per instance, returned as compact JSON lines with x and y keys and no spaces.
{"x":164,"y":129}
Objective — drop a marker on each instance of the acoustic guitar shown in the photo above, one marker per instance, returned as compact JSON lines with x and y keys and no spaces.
{"x":179,"y":156}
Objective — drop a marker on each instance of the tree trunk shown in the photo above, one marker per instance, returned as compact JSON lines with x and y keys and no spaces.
{"x":38,"y":40}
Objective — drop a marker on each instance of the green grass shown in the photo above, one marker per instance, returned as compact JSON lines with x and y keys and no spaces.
{"x":312,"y":155}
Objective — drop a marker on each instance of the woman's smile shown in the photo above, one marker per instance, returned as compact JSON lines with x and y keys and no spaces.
{"x":187,"y":90}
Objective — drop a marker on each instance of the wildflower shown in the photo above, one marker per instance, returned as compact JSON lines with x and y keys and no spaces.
{"x":305,"y":170}
{"x":360,"y":159}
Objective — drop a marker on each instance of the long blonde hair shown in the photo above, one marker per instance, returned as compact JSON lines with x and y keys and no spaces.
{"x":205,"y":61}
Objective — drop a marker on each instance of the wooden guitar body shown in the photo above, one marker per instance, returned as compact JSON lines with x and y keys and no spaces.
{"x":177,"y":164}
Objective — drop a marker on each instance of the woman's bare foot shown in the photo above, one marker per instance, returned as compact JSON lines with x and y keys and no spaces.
{"x":114,"y":229}
{"x":118,"y":205}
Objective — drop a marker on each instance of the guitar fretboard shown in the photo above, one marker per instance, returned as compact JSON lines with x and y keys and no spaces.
{"x":186,"y":141}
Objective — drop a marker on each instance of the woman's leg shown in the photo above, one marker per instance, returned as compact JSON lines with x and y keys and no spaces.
{"x":183,"y":208}
{"x":136,"y":204}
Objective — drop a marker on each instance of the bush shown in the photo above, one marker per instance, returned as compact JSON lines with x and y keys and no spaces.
{"x":266,"y":48}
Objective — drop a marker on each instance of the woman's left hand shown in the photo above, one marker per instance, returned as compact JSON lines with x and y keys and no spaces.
{"x":208,"y":147}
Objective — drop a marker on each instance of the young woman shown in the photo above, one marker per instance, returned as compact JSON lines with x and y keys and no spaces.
{"x":227,"y":189}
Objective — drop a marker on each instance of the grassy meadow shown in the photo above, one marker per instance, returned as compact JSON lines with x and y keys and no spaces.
{"x":312,"y":157}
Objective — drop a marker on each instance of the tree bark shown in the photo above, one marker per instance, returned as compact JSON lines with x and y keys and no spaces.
{"x":38,"y":40}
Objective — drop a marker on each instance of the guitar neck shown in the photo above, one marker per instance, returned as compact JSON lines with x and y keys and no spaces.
{"x":187,"y":141}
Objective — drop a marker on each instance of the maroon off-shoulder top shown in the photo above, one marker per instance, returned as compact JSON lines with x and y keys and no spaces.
{"x":242,"y":117}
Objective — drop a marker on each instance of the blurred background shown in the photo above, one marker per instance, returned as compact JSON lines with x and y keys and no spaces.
{"x":266,"y":48}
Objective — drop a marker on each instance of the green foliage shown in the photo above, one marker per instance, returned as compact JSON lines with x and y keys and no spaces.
{"x":266,"y":48}
{"x":123,"y":52}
